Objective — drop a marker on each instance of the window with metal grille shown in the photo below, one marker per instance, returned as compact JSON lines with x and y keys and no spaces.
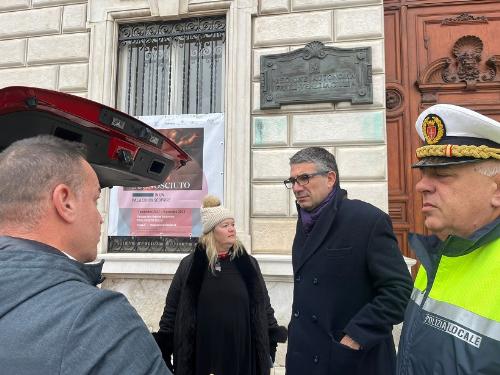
{"x":171,"y":67}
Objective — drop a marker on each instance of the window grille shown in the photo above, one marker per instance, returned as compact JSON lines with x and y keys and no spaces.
{"x":171,"y":67}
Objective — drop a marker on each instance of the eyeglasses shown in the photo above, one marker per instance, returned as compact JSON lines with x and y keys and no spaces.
{"x":302,"y":179}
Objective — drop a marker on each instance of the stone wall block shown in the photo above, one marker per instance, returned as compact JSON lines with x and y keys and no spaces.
{"x":281,"y":296}
{"x":73,"y":77}
{"x":255,"y":97}
{"x":214,"y":2}
{"x":338,"y":128}
{"x":60,"y":48}
{"x":321,"y":4}
{"x":307,"y":107}
{"x":146,"y":295}
{"x":362,"y":162}
{"x":270,"y":200}
{"x":257,"y":53}
{"x":13,"y":53}
{"x":274,"y":6}
{"x":8,"y":5}
{"x":378,"y":83}
{"x":272,"y":235}
{"x":359,"y":23}
{"x":30,"y":23}
{"x":44,"y":77}
{"x":83,"y":95}
{"x":371,"y":192}
{"x":270,"y":131}
{"x":293,"y":206}
{"x":37,"y":3}
{"x":293,"y":28}
{"x":74,"y":18}
{"x":271,"y":165}
{"x":99,"y":10}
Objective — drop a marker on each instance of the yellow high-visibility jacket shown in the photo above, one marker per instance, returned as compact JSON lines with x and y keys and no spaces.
{"x":452,"y":323}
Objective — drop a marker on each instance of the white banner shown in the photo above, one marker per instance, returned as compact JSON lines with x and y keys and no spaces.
{"x":172,"y":209}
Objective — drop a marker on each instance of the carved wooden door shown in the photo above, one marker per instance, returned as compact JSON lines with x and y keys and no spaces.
{"x":436,"y":52}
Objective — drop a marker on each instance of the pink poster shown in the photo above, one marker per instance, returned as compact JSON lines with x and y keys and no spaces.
{"x":172,"y":209}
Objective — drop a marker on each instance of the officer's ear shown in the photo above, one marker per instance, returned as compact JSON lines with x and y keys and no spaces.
{"x":495,"y":199}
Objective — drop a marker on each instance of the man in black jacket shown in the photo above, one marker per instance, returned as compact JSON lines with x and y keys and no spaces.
{"x":351,"y":284}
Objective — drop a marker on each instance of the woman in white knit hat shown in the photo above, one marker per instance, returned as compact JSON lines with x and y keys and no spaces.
{"x":218,"y":317}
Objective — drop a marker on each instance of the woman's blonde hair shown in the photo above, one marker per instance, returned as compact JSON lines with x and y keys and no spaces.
{"x":208,"y":242}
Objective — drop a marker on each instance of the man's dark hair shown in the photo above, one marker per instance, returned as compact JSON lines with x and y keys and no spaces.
{"x":30,"y":169}
{"x":322,"y":159}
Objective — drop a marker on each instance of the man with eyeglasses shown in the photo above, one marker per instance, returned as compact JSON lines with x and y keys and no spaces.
{"x":351,"y":284}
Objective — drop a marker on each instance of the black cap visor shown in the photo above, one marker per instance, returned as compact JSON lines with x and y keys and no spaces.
{"x":442,"y":161}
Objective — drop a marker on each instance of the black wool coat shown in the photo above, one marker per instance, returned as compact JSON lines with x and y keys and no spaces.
{"x":349,"y":278}
{"x":177,"y":334}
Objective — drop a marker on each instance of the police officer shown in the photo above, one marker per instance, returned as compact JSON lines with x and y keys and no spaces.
{"x":452,"y":323}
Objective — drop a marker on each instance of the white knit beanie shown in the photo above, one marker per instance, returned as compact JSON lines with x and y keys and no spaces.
{"x":212,"y":213}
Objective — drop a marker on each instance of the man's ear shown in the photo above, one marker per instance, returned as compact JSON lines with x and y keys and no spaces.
{"x":64,"y":202}
{"x":332,"y":178}
{"x":495,"y":200}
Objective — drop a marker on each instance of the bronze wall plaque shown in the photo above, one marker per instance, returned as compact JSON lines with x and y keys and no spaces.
{"x":316,"y":73}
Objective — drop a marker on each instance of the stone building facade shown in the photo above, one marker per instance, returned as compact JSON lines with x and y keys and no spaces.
{"x":71,"y":46}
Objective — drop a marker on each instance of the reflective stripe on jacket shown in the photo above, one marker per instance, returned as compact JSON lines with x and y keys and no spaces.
{"x":452,"y":323}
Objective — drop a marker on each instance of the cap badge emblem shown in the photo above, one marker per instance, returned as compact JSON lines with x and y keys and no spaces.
{"x":433,"y":129}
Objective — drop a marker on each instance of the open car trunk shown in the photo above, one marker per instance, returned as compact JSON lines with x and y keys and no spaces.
{"x":122,"y":150}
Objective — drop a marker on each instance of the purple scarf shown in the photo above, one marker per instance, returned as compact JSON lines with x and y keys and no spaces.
{"x":309,"y":218}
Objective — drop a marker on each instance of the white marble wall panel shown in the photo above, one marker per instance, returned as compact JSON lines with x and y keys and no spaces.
{"x":74,"y":18}
{"x":73,"y":77}
{"x":37,"y":3}
{"x":146,"y":295}
{"x":257,"y":53}
{"x":270,"y":200}
{"x":270,"y":131}
{"x":30,"y":22}
{"x":85,"y":95}
{"x":59,"y":48}
{"x":359,"y":23}
{"x":274,"y":6}
{"x":14,"y":5}
{"x":362,"y":163}
{"x":281,"y":295}
{"x":256,"y":97}
{"x":12,"y":53}
{"x":99,"y":10}
{"x":293,"y":28}
{"x":44,"y":77}
{"x":338,"y":127}
{"x":272,"y":235}
{"x":308,"y":107}
{"x":272,"y":164}
{"x":319,"y":4}
{"x":371,"y":192}
{"x":212,"y":2}
{"x":293,"y":205}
